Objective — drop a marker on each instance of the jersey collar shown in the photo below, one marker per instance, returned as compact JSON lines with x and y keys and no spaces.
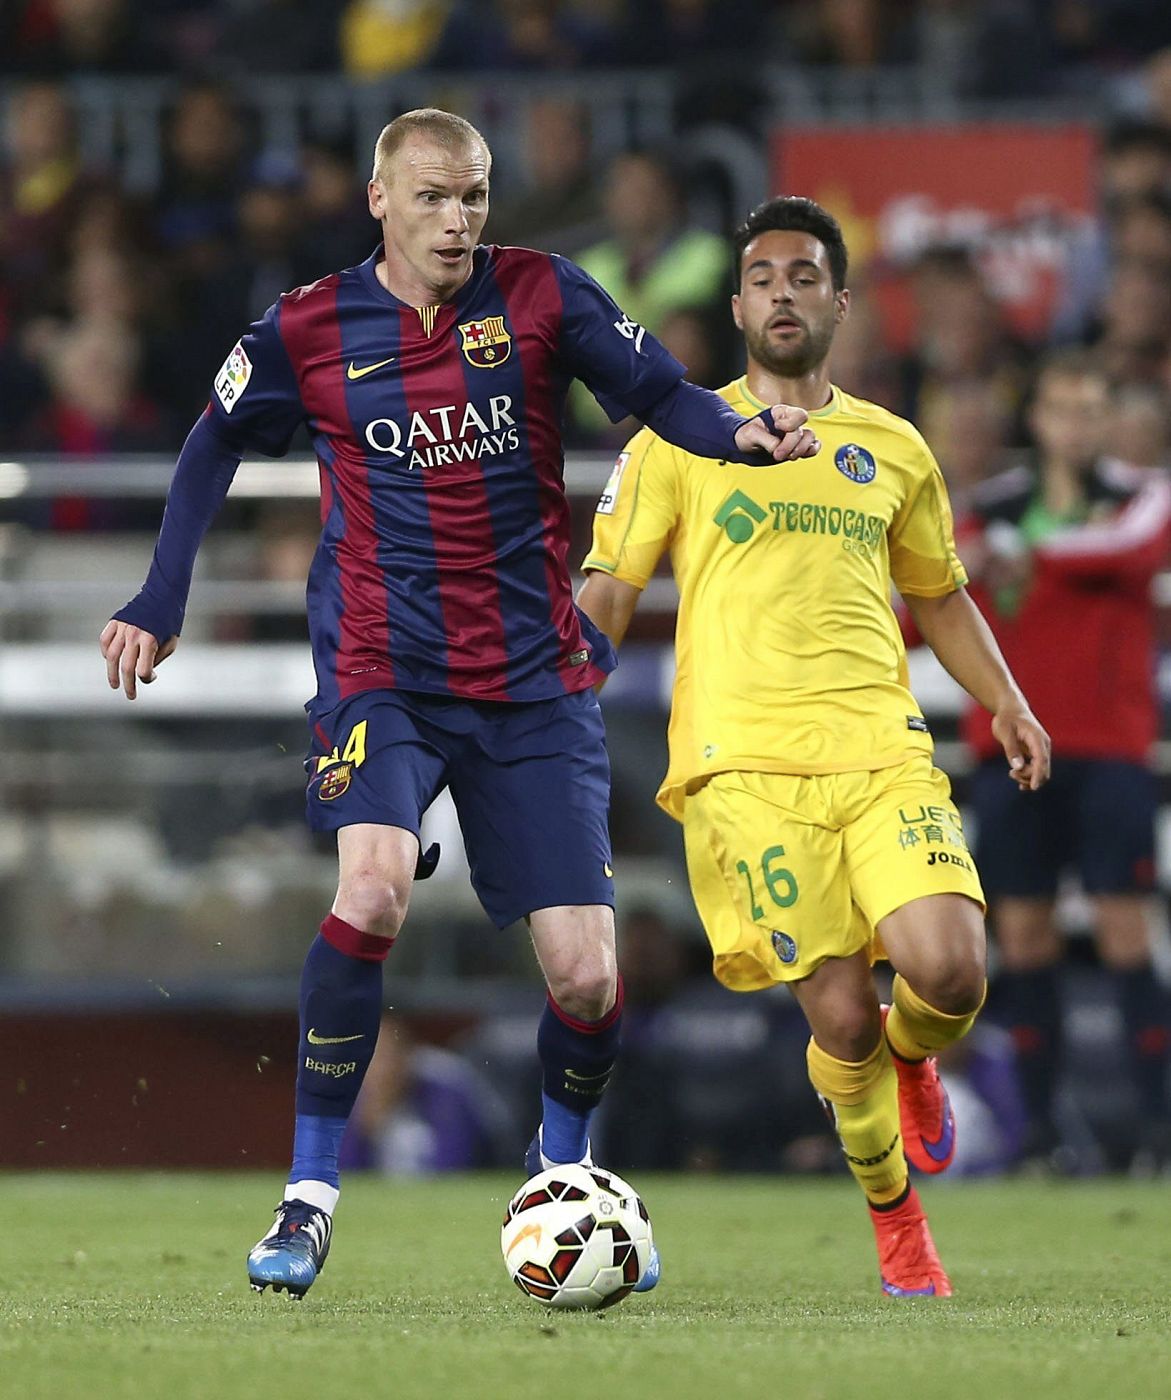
{"x":835,"y":399}
{"x":374,"y":286}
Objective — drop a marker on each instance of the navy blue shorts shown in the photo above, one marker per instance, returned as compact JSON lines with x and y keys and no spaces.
{"x":530,"y":782}
{"x":1095,"y":817}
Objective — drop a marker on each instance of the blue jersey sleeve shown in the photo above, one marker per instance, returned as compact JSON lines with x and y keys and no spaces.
{"x":256,"y":401}
{"x":202,"y":477}
{"x":619,"y":361}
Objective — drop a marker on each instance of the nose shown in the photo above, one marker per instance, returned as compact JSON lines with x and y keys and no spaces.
{"x":457,"y":218}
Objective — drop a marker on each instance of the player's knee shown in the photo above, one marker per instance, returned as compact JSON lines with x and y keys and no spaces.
{"x":957,"y":987}
{"x":586,"y":990}
{"x":848,"y":1030}
{"x":373,"y":902}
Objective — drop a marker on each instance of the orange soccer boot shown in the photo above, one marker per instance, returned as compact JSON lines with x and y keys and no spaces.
{"x":926,"y":1119}
{"x":908,"y":1263}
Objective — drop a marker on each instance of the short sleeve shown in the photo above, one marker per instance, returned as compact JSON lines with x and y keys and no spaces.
{"x":619,"y":361}
{"x":923,"y":558}
{"x":637,"y":511}
{"x":256,"y":401}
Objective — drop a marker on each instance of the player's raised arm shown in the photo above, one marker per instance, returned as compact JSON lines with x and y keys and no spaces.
{"x":701,"y":422}
{"x":630,"y":373}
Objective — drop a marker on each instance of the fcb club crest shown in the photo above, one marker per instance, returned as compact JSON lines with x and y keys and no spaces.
{"x":486,"y":343}
{"x":855,"y":462}
{"x":335,"y":781}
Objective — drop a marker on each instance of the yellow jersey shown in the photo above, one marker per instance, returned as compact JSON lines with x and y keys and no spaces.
{"x":788,"y":655}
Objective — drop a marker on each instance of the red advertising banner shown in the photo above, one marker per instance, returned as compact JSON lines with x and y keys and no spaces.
{"x":1017,"y":195}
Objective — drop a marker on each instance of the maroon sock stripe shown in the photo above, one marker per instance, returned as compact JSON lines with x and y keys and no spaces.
{"x":592,"y":1027}
{"x":353,"y":942}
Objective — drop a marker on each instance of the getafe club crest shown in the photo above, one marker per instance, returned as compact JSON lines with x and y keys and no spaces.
{"x":784,"y":946}
{"x":486,"y":343}
{"x":855,"y":462}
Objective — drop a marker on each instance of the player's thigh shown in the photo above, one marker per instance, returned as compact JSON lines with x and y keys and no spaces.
{"x":374,"y":760}
{"x":1023,"y":839}
{"x":768,"y":879}
{"x":1116,"y":805}
{"x":905,"y":840}
{"x":937,"y":943}
{"x":532,"y":793}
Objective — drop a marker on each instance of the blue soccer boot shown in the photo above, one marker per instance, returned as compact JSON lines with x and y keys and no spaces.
{"x":293,"y":1252}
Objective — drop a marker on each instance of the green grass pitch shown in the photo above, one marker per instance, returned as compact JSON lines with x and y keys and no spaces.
{"x":134,"y":1285}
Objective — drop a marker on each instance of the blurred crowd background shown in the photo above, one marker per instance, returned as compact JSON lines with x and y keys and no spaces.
{"x":168,"y":167}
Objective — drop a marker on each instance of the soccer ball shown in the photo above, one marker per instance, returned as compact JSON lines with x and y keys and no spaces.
{"x":576,"y":1237}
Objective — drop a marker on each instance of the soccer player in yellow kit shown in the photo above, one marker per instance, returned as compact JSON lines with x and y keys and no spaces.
{"x":818,"y":833}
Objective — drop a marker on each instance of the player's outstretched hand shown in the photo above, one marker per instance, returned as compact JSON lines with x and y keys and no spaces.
{"x":132,"y":655}
{"x":790,"y":440}
{"x":1026,"y":746}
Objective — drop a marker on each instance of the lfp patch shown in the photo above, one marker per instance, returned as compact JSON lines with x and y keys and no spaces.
{"x":233,"y":377}
{"x":609,"y":497}
{"x":784,"y":946}
{"x":855,"y":462}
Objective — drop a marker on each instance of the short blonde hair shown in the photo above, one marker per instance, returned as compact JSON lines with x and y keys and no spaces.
{"x":445,"y":128}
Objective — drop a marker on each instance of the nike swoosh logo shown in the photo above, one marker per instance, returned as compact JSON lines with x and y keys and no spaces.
{"x":530,"y":1232}
{"x":315,"y":1039}
{"x":353,"y":372}
{"x":940,"y":1149}
{"x":607,"y":870}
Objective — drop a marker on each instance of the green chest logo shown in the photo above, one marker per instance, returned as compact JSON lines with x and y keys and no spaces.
{"x":858,"y":531}
{"x":739,"y":515}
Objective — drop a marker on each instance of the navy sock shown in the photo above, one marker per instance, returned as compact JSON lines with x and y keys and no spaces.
{"x":577,"y":1058}
{"x":341,"y":1008}
{"x":1029,"y":1005}
{"x":1148,"y":1041}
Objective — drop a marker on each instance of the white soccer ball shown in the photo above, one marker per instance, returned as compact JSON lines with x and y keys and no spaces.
{"x":576,"y":1237}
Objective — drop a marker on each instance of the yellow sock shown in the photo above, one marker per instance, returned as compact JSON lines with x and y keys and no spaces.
{"x":915,"y":1029}
{"x":865,"y":1101}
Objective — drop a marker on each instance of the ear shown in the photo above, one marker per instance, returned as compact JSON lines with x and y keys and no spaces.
{"x":376,"y":197}
{"x":841,"y":305}
{"x":737,"y":319}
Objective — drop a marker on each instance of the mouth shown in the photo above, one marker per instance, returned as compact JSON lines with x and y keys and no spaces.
{"x":451,"y":255}
{"x":785,"y":324}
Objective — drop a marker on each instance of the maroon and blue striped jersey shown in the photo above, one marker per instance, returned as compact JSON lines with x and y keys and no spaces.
{"x":442,"y":565}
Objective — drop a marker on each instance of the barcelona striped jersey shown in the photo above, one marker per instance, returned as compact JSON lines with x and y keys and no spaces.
{"x":442,"y":565}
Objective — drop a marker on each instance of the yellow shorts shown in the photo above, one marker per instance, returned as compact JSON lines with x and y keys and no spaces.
{"x":788,"y":871}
